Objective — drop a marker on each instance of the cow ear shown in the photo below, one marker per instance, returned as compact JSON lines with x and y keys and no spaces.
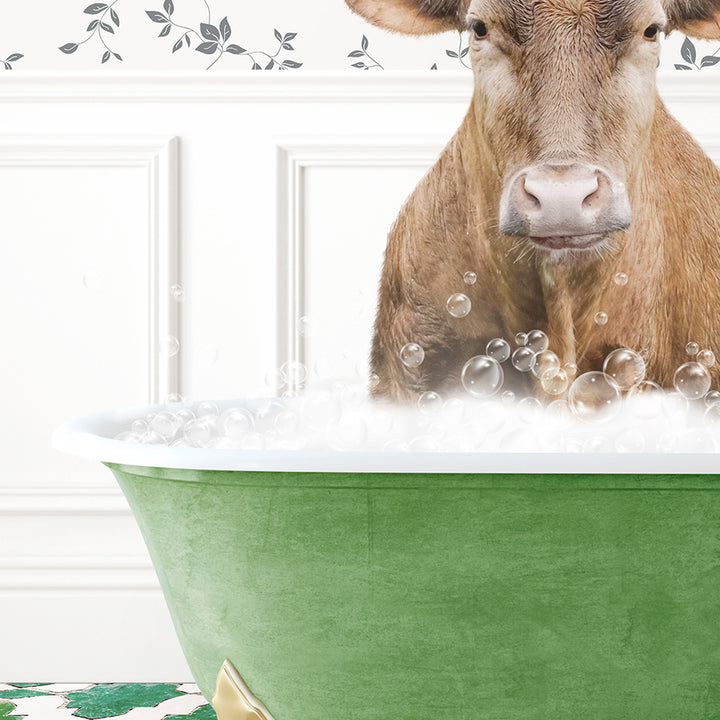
{"x":413,"y":17}
{"x":697,"y":18}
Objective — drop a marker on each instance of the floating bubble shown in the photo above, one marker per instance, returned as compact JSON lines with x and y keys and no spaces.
{"x":601,"y":318}
{"x":571,"y":369}
{"x":482,"y":376}
{"x":521,"y":338}
{"x":169,"y":346}
{"x":412,"y":355}
{"x":712,"y":415}
{"x":304,"y":326}
{"x":274,"y":380}
{"x":165,"y":424}
{"x":508,"y":397}
{"x":373,"y":380}
{"x":177,"y":292}
{"x":618,"y":187}
{"x":620,"y":278}
{"x":555,"y":381}
{"x":625,"y":367}
{"x":646,"y":399}
{"x":692,"y":380}
{"x":459,"y":305}
{"x":594,"y":397}
{"x":523,"y":359}
{"x":545,"y":360}
{"x":498,"y":349}
{"x":537,"y":341}
{"x":559,"y":410}
{"x":430,"y":402}
{"x":293,"y":372}
{"x":139,"y":426}
{"x":706,"y":358}
{"x":692,"y":348}
{"x":712,"y":398}
{"x":470,"y":277}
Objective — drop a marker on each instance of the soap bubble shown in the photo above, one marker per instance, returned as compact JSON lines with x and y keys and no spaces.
{"x":177,"y":293}
{"x":712,"y":398}
{"x":571,"y":369}
{"x":139,"y":426}
{"x":412,"y":355}
{"x":521,"y":338}
{"x":430,"y":402}
{"x":530,"y":409}
{"x":173,"y":398}
{"x":545,"y":360}
{"x":236,"y":422}
{"x":373,"y":380}
{"x":165,"y":424}
{"x":594,"y":397}
{"x":537,"y":341}
{"x":625,"y":367}
{"x":293,"y":372}
{"x":304,"y":326}
{"x":646,"y":399}
{"x":692,"y":348}
{"x":508,"y":397}
{"x":459,"y":305}
{"x":453,"y":411}
{"x":559,"y":410}
{"x":675,"y":406}
{"x":621,"y":278}
{"x":555,"y":381}
{"x":618,"y":187}
{"x":498,"y":349}
{"x":523,"y":359}
{"x":470,"y":277}
{"x":198,"y":432}
{"x":482,"y":376}
{"x":601,"y":318}
{"x":169,"y":346}
{"x":692,"y":380}
{"x":287,"y":422}
{"x":206,"y":408}
{"x":706,"y":358}
{"x":712,"y":415}
{"x":153,"y":438}
{"x":265,"y":415}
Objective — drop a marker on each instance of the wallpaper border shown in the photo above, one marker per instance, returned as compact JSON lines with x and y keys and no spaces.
{"x":321,"y":86}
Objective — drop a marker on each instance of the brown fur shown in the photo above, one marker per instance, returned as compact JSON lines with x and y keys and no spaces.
{"x":671,"y":252}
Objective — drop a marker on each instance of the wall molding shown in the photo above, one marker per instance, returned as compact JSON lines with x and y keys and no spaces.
{"x":294,"y":156}
{"x":158,"y":157}
{"x":306,"y":86}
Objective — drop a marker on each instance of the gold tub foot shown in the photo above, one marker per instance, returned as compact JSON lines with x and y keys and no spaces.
{"x":233,"y":700}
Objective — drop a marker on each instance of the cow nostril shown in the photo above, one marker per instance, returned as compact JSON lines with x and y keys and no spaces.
{"x":594,"y":197}
{"x":529,"y":197}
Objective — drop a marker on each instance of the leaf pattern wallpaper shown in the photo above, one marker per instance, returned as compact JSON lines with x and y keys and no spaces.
{"x":132,"y":35}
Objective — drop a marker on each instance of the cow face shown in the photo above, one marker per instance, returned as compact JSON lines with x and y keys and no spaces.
{"x":564,"y":99}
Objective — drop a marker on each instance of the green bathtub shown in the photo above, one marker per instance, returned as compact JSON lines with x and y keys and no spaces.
{"x":357,"y":593}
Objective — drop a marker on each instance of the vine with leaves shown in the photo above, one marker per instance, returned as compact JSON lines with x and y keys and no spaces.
{"x":99,"y":29}
{"x":688,"y":52}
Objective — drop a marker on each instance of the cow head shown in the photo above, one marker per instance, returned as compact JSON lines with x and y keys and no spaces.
{"x":564,"y":96}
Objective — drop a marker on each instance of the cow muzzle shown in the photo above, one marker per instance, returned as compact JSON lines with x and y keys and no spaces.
{"x":564,"y":206}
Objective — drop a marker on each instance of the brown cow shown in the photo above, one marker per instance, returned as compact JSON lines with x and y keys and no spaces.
{"x":566,"y":170}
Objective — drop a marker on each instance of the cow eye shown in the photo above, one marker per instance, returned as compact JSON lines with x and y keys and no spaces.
{"x":651,"y":32}
{"x":479,"y":28}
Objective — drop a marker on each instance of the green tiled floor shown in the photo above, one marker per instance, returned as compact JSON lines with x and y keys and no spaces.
{"x":130,"y":701}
